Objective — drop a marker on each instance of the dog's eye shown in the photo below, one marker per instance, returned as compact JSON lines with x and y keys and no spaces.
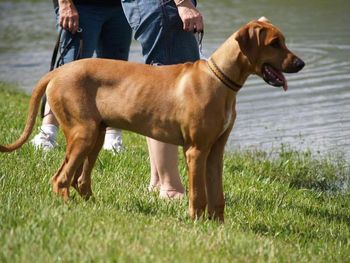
{"x":275,"y":43}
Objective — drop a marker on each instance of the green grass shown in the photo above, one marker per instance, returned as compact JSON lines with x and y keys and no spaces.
{"x":290,"y":207}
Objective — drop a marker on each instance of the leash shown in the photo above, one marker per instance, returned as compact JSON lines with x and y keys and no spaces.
{"x":199,"y":37}
{"x":232,"y":85}
{"x":57,"y":62}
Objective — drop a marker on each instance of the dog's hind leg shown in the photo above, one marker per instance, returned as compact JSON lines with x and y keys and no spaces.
{"x":215,"y":193}
{"x":83,"y":184}
{"x":80,"y":142}
{"x":196,"y":161}
{"x":76,"y":176}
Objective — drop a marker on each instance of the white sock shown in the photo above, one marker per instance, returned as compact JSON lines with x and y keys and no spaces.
{"x":50,"y":130}
{"x":111,"y":134}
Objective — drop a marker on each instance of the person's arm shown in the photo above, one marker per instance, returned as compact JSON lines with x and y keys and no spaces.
{"x":191,"y":18}
{"x":68,"y":16}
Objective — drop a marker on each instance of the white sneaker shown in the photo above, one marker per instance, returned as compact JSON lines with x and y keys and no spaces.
{"x":113,"y":144}
{"x":43,"y":140}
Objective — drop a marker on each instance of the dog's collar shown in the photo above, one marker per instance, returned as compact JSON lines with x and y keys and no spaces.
{"x":222,"y":77}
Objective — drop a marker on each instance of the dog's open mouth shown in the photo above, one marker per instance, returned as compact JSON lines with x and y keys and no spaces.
{"x":274,"y":77}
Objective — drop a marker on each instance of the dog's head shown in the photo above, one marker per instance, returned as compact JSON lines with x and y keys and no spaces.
{"x":264,"y":46}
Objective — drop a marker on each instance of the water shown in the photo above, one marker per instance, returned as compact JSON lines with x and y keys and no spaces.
{"x":315,"y":112}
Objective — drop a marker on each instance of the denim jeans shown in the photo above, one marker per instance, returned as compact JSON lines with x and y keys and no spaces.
{"x":158,"y":27}
{"x":105,"y":30}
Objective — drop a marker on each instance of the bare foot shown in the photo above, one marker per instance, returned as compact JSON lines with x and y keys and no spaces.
{"x":153,"y":187}
{"x":154,"y":184}
{"x":171,"y":194}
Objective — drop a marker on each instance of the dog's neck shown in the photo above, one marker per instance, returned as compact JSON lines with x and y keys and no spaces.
{"x":231,"y":61}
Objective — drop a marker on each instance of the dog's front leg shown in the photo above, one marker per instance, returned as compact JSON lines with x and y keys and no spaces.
{"x":215,"y":193}
{"x":196,"y":162}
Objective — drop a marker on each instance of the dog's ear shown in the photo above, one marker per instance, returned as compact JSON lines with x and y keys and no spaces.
{"x":249,"y":39}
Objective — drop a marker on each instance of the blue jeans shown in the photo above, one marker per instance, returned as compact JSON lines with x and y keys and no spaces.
{"x":158,"y":27}
{"x":105,"y":30}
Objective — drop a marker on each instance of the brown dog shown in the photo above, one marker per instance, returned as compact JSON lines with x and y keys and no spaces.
{"x":190,"y":104}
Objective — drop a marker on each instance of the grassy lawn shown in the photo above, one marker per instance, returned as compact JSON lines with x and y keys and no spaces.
{"x":292,"y":207}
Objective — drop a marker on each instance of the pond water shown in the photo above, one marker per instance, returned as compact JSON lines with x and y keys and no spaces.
{"x":315,"y":112}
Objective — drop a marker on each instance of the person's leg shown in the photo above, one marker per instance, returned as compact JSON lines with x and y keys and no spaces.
{"x":114,"y":43}
{"x":165,"y":163}
{"x":177,"y":46}
{"x":158,"y":27}
{"x":91,"y":25}
{"x":154,"y":184}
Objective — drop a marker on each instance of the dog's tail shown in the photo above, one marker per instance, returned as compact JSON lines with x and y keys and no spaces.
{"x":34,"y":103}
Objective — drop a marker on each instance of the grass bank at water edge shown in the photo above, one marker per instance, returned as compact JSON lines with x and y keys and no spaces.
{"x":289,"y":208}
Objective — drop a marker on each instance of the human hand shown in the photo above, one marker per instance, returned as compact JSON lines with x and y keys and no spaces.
{"x":68,"y":16}
{"x":191,"y":18}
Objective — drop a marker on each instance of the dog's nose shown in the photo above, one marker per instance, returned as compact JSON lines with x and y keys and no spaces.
{"x":298,"y":64}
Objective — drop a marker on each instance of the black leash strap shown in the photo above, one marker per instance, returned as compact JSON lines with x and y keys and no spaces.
{"x":55,"y":50}
{"x":55,"y":63}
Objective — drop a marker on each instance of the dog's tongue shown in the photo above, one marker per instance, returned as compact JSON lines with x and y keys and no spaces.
{"x":280,"y":78}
